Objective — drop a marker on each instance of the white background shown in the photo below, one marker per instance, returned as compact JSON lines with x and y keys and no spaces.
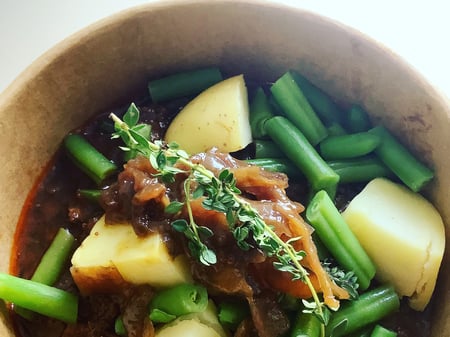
{"x":419,"y":31}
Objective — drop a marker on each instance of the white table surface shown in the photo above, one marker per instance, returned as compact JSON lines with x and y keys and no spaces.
{"x":416,"y":30}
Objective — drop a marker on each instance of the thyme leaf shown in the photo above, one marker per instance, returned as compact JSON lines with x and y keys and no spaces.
{"x":345,"y":280}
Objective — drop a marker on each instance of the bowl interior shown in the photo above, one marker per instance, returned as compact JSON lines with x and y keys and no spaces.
{"x":106,"y":63}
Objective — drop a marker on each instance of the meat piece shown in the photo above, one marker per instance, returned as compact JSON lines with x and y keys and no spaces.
{"x":269,"y":319}
{"x":245,"y":329}
{"x":138,"y":197}
{"x":135,"y":312}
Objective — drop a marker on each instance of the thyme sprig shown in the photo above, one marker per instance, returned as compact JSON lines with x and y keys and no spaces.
{"x":345,"y":280}
{"x":220,"y":194}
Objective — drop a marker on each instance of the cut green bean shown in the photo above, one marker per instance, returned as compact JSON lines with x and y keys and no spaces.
{"x":54,"y":259}
{"x":357,"y":119}
{"x":297,"y":148}
{"x":183,"y":84}
{"x":357,"y":170}
{"x":260,"y":111}
{"x":306,"y":325}
{"x":339,"y":239}
{"x":51,"y":264}
{"x":396,"y":157}
{"x":336,"y":129}
{"x":296,"y":108}
{"x":88,"y":158}
{"x":380,"y":331}
{"x":180,"y":300}
{"x":40,"y":298}
{"x":232,"y":313}
{"x":267,"y":149}
{"x":158,"y":316}
{"x":119,"y":327}
{"x":364,"y":332}
{"x":369,"y":308}
{"x":89,"y":194}
{"x":348,"y":146}
{"x":322,"y":103}
{"x":283,"y":165}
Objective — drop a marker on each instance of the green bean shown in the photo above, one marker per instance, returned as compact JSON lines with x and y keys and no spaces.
{"x":267,"y":149}
{"x":40,"y":298}
{"x":232,"y":312}
{"x":159,"y":316}
{"x":276,"y":108}
{"x":364,"y":332}
{"x":89,"y":194}
{"x":180,"y":300}
{"x":305,"y":325}
{"x":336,"y":129}
{"x":339,"y":239}
{"x":283,"y":165}
{"x":361,"y":169}
{"x":260,"y":111}
{"x":324,"y":106}
{"x":297,"y":109}
{"x":296,"y":147}
{"x":369,"y":308}
{"x":348,"y":146}
{"x":54,"y":259}
{"x":119,"y":327}
{"x":88,"y":158}
{"x":396,"y":157}
{"x":51,"y":264}
{"x":183,"y":84}
{"x":322,"y":250}
{"x":357,"y":119}
{"x":380,"y":331}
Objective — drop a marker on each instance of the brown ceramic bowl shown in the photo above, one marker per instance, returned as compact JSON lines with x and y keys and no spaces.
{"x":100,"y":66}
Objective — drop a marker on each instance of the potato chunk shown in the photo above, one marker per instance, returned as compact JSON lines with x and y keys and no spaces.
{"x":113,"y":255}
{"x":187,"y":328}
{"x":403,"y":234}
{"x":218,"y":117}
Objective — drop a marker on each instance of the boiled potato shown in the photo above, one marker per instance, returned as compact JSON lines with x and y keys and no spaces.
{"x":208,"y":317}
{"x":403,"y":234}
{"x":218,"y":117}
{"x":187,"y":328}
{"x":113,"y":255}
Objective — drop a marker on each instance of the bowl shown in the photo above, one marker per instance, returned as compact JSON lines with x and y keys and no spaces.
{"x":102,"y":65}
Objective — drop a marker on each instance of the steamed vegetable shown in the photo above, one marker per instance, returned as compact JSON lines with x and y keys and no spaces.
{"x":403,"y":234}
{"x":297,"y":109}
{"x":336,"y":235}
{"x":54,"y":258}
{"x":88,"y":158}
{"x":113,"y":254}
{"x":40,"y":298}
{"x":187,"y":328}
{"x":219,"y":117}
{"x":348,"y":146}
{"x":204,"y":323}
{"x":260,"y":112}
{"x":297,"y":148}
{"x":370,"y":307}
{"x":400,"y":160}
{"x":179,"y":300}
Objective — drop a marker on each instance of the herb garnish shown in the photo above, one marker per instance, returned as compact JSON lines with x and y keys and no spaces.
{"x":345,"y":280}
{"x":220,"y":194}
